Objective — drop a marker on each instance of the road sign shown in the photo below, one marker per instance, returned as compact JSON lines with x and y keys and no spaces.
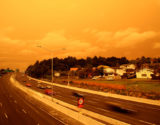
{"x":80,"y":102}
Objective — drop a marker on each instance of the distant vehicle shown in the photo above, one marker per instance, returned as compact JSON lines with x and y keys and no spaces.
{"x":77,"y":94}
{"x":116,"y":106}
{"x":48,"y":87}
{"x":49,"y":92}
{"x":41,"y":86}
{"x":28,"y":85}
{"x":96,"y":77}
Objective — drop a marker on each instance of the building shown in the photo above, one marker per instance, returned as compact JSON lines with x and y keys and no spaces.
{"x":144,"y":73}
{"x":109,"y":70}
{"x":73,"y":69}
{"x":120,"y":72}
{"x":128,"y":66}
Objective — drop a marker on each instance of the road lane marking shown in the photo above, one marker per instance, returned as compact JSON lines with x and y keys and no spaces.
{"x":52,"y":116}
{"x":24,"y":111}
{"x":147,"y":122}
{"x":6,"y":115}
{"x":0,"y":104}
{"x":92,"y":102}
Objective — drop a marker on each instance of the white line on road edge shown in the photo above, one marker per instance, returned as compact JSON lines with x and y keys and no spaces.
{"x":129,"y":98}
{"x":24,"y":111}
{"x":52,"y":116}
{"x":147,"y":122}
{"x":66,"y":108}
{"x":6,"y":115}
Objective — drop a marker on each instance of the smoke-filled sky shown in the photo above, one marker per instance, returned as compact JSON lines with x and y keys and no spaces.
{"x":84,"y":28}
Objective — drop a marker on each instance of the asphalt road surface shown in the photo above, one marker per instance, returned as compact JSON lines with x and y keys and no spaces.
{"x":16,"y":109}
{"x":127,"y":111}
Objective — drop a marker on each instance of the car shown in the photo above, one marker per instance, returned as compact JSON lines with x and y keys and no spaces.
{"x":77,"y":94}
{"x":96,"y":77}
{"x":48,"y":87}
{"x":28,"y":85}
{"x":41,"y":86}
{"x":49,"y":92}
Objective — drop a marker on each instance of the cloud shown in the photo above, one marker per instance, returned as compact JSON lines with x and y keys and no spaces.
{"x":74,"y":47}
{"x":135,"y":38}
{"x":124,"y":38}
{"x":130,"y":42}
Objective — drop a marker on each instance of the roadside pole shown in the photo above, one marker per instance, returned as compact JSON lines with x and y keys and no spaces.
{"x":52,"y":73}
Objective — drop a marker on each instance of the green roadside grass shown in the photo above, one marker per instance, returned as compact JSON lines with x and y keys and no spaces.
{"x":142,"y":85}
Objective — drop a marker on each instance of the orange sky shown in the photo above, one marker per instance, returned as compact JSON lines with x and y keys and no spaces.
{"x":119,"y":28}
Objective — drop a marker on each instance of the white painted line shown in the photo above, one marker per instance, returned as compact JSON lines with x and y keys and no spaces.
{"x":6,"y":115}
{"x":53,"y":117}
{"x":92,"y":102}
{"x":24,"y":111}
{"x":102,"y":109}
{"x":15,"y":101}
{"x":0,"y":104}
{"x":147,"y":122}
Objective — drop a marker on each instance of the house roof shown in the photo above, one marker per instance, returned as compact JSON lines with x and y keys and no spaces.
{"x":73,"y":69}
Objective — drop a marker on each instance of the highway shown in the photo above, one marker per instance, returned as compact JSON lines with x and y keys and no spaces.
{"x":132,"y":112}
{"x":17,"y":108}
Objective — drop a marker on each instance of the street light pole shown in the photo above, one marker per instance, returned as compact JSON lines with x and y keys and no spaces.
{"x":52,"y":73}
{"x":68,"y":78}
{"x":51,"y":65}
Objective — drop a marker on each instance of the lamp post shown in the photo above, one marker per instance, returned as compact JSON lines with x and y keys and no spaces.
{"x":68,"y":74}
{"x":51,"y":65}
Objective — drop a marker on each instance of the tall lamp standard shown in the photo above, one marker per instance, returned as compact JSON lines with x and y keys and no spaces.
{"x":68,"y":74}
{"x":51,"y":64}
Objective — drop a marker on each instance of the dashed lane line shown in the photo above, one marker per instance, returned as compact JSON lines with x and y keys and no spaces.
{"x":147,"y":122}
{"x":24,"y":111}
{"x":6,"y":115}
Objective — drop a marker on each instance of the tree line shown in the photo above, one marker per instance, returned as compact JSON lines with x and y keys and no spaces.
{"x":42,"y":68}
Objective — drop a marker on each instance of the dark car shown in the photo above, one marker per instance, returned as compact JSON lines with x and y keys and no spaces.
{"x":41,"y":86}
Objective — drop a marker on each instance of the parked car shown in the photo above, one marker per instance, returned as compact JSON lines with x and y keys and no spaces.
{"x":49,"y":92}
{"x":28,"y":85}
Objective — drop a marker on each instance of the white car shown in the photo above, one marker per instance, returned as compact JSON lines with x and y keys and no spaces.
{"x":96,"y":77}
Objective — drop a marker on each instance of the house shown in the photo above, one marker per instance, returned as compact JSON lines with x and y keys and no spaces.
{"x":144,"y":73}
{"x":73,"y":69}
{"x":120,"y":72}
{"x":109,"y":70}
{"x":128,"y":66}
